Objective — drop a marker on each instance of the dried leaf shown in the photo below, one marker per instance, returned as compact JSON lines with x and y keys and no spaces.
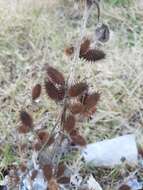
{"x":55,"y":76}
{"x":69,"y":123}
{"x":124,"y":187}
{"x":60,"y":170}
{"x":78,"y":140}
{"x":69,"y":51}
{"x":48,"y":171}
{"x":91,"y":100}
{"x":34,"y":174}
{"x":36,"y":91}
{"x":53,"y":92}
{"x":53,"y":185}
{"x":93,"y":55}
{"x":76,"y":108}
{"x":84,"y":47}
{"x":77,"y":89}
{"x":43,"y":136}
{"x":26,"y":119}
{"x":64,"y":180}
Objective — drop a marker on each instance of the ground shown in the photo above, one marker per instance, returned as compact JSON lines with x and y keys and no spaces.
{"x":33,"y":33}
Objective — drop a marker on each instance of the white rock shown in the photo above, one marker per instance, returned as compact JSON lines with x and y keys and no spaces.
{"x":93,"y":184}
{"x":108,"y":153}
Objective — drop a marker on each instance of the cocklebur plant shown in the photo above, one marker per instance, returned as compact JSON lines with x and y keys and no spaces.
{"x":44,"y":168}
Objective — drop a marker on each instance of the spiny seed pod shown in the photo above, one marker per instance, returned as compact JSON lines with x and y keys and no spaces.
{"x":53,"y":92}
{"x":60,"y":170}
{"x":23,"y":129}
{"x":34,"y":174}
{"x":124,"y":187}
{"x":91,"y":100}
{"x":69,"y":124}
{"x":77,"y":89}
{"x":51,"y":140}
{"x":69,"y":51}
{"x":48,"y":171}
{"x":53,"y":185}
{"x":43,"y":136}
{"x":76,"y":108}
{"x":36,"y":91}
{"x":26,"y":119}
{"x":23,"y":167}
{"x":84,"y":47}
{"x":37,"y":146}
{"x":93,"y":55}
{"x":64,"y":180}
{"x":78,"y":140}
{"x":55,"y":76}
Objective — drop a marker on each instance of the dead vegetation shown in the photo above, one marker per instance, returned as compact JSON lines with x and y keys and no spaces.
{"x":32,"y":35}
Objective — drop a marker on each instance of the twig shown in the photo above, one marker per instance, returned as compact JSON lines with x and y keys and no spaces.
{"x":82,"y":33}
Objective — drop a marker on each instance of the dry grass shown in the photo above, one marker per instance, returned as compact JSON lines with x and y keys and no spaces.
{"x":31,"y":35}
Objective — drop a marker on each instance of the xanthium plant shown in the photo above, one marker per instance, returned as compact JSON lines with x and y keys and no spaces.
{"x":75,"y":101}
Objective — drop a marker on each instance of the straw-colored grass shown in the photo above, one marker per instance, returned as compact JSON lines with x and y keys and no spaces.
{"x":33,"y":33}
